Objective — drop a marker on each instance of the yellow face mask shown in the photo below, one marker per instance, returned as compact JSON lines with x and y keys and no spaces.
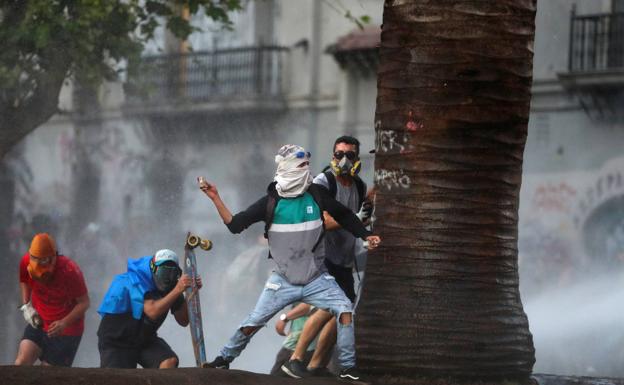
{"x":345,"y":167}
{"x":41,"y":269}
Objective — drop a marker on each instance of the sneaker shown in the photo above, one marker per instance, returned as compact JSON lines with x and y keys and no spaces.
{"x":351,"y":374}
{"x":320,"y":372}
{"x":219,"y":363}
{"x":295,"y":369}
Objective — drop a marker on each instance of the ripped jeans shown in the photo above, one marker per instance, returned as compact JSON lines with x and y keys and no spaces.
{"x":323,"y":292}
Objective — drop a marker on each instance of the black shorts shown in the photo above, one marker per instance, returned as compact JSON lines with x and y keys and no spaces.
{"x":148,"y":356}
{"x":344,"y":278}
{"x":57,"y":351}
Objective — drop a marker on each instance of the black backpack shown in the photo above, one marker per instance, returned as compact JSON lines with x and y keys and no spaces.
{"x":333,"y":188}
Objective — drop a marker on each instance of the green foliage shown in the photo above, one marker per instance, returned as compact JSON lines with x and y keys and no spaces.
{"x":337,"y":6}
{"x":359,"y":21}
{"x":51,"y":38}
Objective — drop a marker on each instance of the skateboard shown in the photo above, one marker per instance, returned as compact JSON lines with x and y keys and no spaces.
{"x":192,"y":296}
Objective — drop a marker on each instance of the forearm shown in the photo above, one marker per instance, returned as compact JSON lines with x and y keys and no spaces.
{"x":78,"y":311}
{"x":330,"y":222}
{"x":181,"y":315}
{"x":224,"y":212}
{"x":254,"y":213}
{"x":155,"y":308}
{"x":25,"y":291}
{"x":347,"y":220}
{"x":298,"y":311}
{"x":343,"y":215}
{"x":355,"y":227}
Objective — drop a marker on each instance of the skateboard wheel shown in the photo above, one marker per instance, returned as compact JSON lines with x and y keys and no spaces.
{"x":193,"y":241}
{"x":206,"y":244}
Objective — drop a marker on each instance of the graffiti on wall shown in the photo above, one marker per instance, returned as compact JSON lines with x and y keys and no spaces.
{"x":571,"y":222}
{"x":554,"y":197}
{"x":603,"y":188}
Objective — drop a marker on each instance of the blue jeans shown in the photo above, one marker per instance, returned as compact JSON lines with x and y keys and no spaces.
{"x":323,"y":292}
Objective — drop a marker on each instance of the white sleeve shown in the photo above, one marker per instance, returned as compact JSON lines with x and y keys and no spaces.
{"x":321,"y":179}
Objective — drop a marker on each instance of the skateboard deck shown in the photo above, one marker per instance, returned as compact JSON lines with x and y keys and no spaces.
{"x":192,"y":296}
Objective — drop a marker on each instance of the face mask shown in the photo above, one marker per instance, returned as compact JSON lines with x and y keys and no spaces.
{"x":293,"y":173}
{"x":293,"y":183}
{"x":345,"y":167}
{"x":166,"y":277}
{"x":41,"y":271}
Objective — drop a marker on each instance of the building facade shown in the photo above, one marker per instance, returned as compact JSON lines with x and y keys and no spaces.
{"x":571,"y":227}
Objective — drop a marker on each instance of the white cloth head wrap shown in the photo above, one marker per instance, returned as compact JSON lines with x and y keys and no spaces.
{"x":292,"y":180}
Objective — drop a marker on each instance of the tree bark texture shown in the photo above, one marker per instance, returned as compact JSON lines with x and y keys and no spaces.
{"x":441,"y":295}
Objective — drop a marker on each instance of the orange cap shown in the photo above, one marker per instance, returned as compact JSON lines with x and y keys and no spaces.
{"x":42,"y":246}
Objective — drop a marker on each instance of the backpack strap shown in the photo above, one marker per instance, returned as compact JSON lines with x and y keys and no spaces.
{"x":361,"y":189}
{"x":313,"y":190}
{"x":316,"y":195}
{"x":331,"y":181}
{"x":270,"y":209}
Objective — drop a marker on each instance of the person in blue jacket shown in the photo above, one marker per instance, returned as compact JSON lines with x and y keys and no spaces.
{"x":135,"y":306}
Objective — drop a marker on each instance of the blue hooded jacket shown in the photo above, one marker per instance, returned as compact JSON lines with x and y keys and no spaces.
{"x":127,"y":291}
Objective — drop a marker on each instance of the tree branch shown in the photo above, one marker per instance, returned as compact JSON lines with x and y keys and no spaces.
{"x":18,"y":121}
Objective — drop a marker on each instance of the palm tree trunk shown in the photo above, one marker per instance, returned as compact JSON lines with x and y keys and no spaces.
{"x":441,"y":296}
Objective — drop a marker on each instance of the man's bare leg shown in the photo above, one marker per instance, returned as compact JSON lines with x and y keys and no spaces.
{"x":312,"y":327}
{"x":324,"y":345}
{"x":169,"y":363}
{"x":28,"y":353}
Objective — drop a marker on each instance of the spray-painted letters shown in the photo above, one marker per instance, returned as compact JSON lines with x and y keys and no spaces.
{"x":392,"y":179}
{"x":554,"y":197}
{"x":392,"y":141}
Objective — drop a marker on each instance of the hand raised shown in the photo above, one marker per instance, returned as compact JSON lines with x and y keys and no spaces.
{"x":373,"y":241}
{"x":183,"y":282}
{"x":209,"y":189}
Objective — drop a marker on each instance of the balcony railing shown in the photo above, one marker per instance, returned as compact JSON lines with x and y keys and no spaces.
{"x":229,"y":74}
{"x":596,"y":42}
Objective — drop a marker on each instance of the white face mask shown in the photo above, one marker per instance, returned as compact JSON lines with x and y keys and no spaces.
{"x":292,"y":180}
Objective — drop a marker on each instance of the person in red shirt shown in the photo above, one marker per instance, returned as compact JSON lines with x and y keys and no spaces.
{"x":55,"y":299}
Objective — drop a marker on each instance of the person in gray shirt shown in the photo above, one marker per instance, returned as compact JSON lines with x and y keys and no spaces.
{"x":343,"y":183}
